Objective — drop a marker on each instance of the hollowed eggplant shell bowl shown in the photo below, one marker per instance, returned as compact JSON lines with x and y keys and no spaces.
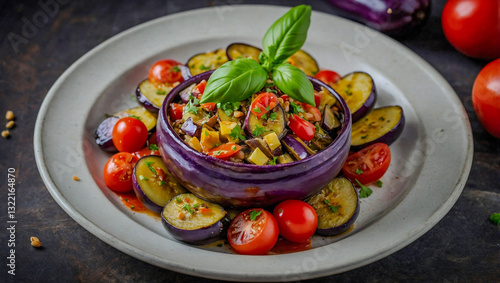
{"x":246,"y":185}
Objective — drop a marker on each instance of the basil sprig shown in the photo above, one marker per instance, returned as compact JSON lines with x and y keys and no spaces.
{"x":238,"y":79}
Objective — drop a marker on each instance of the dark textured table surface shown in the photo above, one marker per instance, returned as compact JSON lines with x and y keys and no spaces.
{"x":463,"y":246}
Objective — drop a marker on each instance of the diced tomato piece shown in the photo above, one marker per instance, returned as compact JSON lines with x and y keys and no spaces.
{"x":176,"y":110}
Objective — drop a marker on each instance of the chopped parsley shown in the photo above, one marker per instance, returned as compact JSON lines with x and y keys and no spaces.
{"x":178,"y":200}
{"x":379,"y":183}
{"x":148,"y":163}
{"x":365,"y":191}
{"x":273,"y":116}
{"x":271,"y":90}
{"x":162,"y":183}
{"x":205,"y":68}
{"x":236,"y":133}
{"x":296,"y":109}
{"x":187,"y":208}
{"x":228,"y":107}
{"x":333,"y":208}
{"x":134,"y":116}
{"x":143,"y":178}
{"x":206,"y":133}
{"x":254,"y":214}
{"x":256,"y":110}
{"x":161,"y":92}
{"x":153,"y":146}
{"x":217,"y":153}
{"x":316,"y":127}
{"x":132,"y":206}
{"x":273,"y":162}
{"x":358,"y":171}
{"x":264,"y":117}
{"x":191,"y":108}
{"x":495,"y":218}
{"x":234,"y":147}
{"x":348,"y":90}
{"x":176,"y":69}
{"x":268,"y":85}
{"x":258,"y":131}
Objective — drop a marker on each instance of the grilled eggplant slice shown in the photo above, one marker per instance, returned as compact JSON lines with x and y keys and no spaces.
{"x":203,"y":62}
{"x":242,"y":50}
{"x":305,"y":62}
{"x":337,"y":207}
{"x":256,"y":127}
{"x":359,"y":92}
{"x":151,"y":96}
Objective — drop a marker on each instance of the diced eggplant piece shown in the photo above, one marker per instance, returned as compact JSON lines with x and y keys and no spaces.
{"x":359,"y":92}
{"x":327,"y":99}
{"x":104,"y":134}
{"x":256,"y":127}
{"x":337,"y":207}
{"x":242,"y":50}
{"x":274,"y":144}
{"x":140,"y":113}
{"x":203,"y":62}
{"x":198,"y":115}
{"x":381,"y":125}
{"x":151,"y":96}
{"x":330,"y":122}
{"x":194,"y":220}
{"x":190,"y":128}
{"x":296,"y":147}
{"x":153,"y":184}
{"x":320,"y":140}
{"x":285,"y":158}
{"x":186,"y":93}
{"x":305,"y":62}
{"x":261,"y":144}
{"x":257,"y":157}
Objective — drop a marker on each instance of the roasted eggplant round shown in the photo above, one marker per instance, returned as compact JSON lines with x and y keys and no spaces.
{"x":153,"y":184}
{"x":359,"y":92}
{"x":150,"y":96}
{"x":383,"y":124}
{"x":194,"y":220}
{"x":248,"y":185}
{"x":203,"y":62}
{"x":242,"y":50}
{"x":337,"y":207}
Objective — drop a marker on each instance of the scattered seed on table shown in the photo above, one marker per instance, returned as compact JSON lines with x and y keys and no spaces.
{"x":9,"y":115}
{"x":5,"y":134}
{"x":10,"y":124}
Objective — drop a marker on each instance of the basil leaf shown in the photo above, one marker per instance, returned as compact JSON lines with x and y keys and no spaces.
{"x":294,"y":82}
{"x":286,"y":36}
{"x":234,"y":81}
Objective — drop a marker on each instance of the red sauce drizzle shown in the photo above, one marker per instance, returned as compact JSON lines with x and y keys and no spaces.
{"x":283,"y":246}
{"x":130,"y":200}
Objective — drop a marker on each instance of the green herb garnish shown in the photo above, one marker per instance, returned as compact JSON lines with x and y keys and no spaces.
{"x":273,"y":116}
{"x":236,"y":133}
{"x":161,"y":92}
{"x":134,"y":116}
{"x":143,"y":178}
{"x":379,"y":183}
{"x":191,"y":108}
{"x":256,"y":110}
{"x":365,"y":191}
{"x":178,"y":200}
{"x":187,"y":208}
{"x":205,"y":68}
{"x":153,"y":146}
{"x":258,"y":131}
{"x":296,"y":109}
{"x":273,"y":161}
{"x":358,"y":171}
{"x":348,"y":90}
{"x":333,"y":208}
{"x":254,"y":214}
{"x":176,"y":69}
{"x":495,"y":218}
{"x":148,"y":163}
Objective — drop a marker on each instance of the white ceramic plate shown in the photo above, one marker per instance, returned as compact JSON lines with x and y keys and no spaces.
{"x":431,"y":160}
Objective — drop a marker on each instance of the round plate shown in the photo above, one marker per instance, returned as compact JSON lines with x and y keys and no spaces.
{"x":431,"y":159}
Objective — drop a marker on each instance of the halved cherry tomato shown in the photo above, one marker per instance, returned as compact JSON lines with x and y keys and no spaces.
{"x":317,"y":98}
{"x":224,"y":151}
{"x":199,"y":89}
{"x":165,"y":71}
{"x":316,"y":114}
{"x":176,"y":110}
{"x":369,"y":164}
{"x":302,"y":128}
{"x":253,"y":232}
{"x":129,"y":134}
{"x":327,"y":76}
{"x":263,"y":103}
{"x":118,"y":171}
{"x":297,"y":220}
{"x":149,"y":150}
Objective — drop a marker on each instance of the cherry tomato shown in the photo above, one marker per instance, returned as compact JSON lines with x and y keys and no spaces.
{"x":224,"y":151}
{"x":199,"y":89}
{"x":176,"y":110}
{"x":473,"y":27}
{"x":297,"y":220}
{"x":165,"y":71}
{"x":327,"y":76}
{"x":209,"y":106}
{"x":302,"y":128}
{"x":486,"y":97}
{"x":118,"y":171}
{"x":129,"y":134}
{"x":150,"y":150}
{"x":263,"y":103}
{"x":369,"y":164}
{"x":253,"y":232}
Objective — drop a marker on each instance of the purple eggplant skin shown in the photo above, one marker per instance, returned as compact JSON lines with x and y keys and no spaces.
{"x":200,"y":236}
{"x":296,"y":147}
{"x":104,"y":134}
{"x":397,"y":18}
{"x":279,"y":125}
{"x":144,"y":101}
{"x":369,"y":102}
{"x":246,"y":185}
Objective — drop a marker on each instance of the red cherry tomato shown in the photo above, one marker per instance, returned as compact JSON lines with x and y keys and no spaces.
{"x":486,"y":97}
{"x":317,"y":98}
{"x":118,"y":171}
{"x":165,"y":71}
{"x":301,"y":127}
{"x":327,"y":76}
{"x":253,"y":232}
{"x":224,"y":151}
{"x":473,"y":27}
{"x":369,"y":164}
{"x":199,"y":89}
{"x":176,"y":110}
{"x":150,"y":150}
{"x":297,"y":220}
{"x":129,"y":134}
{"x":263,"y":103}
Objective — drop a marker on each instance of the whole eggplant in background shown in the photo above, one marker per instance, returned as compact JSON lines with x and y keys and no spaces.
{"x":393,"y":17}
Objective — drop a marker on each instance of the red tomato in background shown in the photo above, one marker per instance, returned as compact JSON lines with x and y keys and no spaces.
{"x":486,"y":97}
{"x":253,"y":232}
{"x":327,"y":76}
{"x":301,"y":127}
{"x":473,"y":27}
{"x":165,"y":71}
{"x":129,"y":134}
{"x":369,"y":164}
{"x":297,"y":220}
{"x":118,"y":171}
